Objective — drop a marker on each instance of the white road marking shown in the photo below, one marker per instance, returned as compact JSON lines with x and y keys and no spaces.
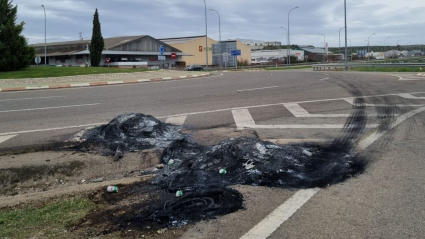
{"x":298,"y":141}
{"x":51,"y":129}
{"x":244,"y":120}
{"x":410,"y":96}
{"x":351,"y":101}
{"x":115,"y":82}
{"x":375,"y":136}
{"x":5,"y":138}
{"x":275,"y":104}
{"x":325,"y":74}
{"x":176,"y":120}
{"x":48,"y":108}
{"x":263,"y":88}
{"x":300,"y":112}
{"x":327,"y":78}
{"x":35,"y":98}
{"x":400,"y":78}
{"x":281,"y":214}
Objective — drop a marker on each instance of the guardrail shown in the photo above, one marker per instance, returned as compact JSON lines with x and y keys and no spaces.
{"x":319,"y":67}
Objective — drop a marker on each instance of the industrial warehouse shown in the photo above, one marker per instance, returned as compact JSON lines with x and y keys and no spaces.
{"x":120,"y":52}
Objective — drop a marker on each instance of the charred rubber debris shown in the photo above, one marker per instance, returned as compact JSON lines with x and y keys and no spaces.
{"x":130,"y":132}
{"x":198,"y":176}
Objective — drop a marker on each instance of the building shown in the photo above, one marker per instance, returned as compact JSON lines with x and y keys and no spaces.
{"x":253,"y":44}
{"x":195,"y":47}
{"x":122,"y":52}
{"x":222,"y":53}
{"x":314,"y":53}
{"x":273,"y":43}
{"x":266,"y":56}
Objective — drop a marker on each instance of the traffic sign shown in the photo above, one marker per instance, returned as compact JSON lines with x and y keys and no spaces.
{"x":161,"y":58}
{"x":161,"y":49}
{"x":235,"y":52}
{"x":108,"y":60}
{"x":37,"y":60}
{"x":173,"y":55}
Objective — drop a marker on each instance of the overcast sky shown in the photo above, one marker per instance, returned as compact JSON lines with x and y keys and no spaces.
{"x":248,"y":19}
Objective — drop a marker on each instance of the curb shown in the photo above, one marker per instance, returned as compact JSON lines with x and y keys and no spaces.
{"x":25,"y":88}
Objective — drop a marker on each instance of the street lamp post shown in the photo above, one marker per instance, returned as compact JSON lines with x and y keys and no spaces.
{"x":219,"y":32}
{"x":206,"y":33}
{"x":324,"y":44}
{"x":45,"y":36}
{"x":346,"y":36}
{"x":289,"y":39}
{"x":339,"y":46}
{"x":287,"y":50}
{"x":351,"y":51}
{"x":368,"y":55}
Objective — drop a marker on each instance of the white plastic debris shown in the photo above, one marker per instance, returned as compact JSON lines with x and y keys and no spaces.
{"x":308,"y":153}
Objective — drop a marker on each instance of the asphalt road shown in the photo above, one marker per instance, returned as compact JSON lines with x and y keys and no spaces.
{"x":296,"y":106}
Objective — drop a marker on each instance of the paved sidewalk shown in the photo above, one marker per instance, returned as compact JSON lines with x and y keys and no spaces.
{"x":94,"y":80}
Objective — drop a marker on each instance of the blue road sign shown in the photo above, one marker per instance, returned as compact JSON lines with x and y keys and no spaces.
{"x":235,"y":52}
{"x":161,"y":49}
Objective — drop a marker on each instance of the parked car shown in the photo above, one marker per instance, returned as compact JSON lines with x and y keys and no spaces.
{"x":194,"y":68}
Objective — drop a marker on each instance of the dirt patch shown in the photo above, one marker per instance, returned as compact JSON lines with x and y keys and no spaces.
{"x":44,"y":171}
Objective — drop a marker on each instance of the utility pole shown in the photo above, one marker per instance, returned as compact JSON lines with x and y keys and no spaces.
{"x":219,"y":32}
{"x":368,"y":56}
{"x":324,"y":45}
{"x":206,"y":33}
{"x":289,"y":38}
{"x":287,"y":50}
{"x":345,"y":17}
{"x":45,"y":36}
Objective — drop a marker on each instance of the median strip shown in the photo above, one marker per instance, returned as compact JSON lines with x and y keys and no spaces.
{"x":101,"y":83}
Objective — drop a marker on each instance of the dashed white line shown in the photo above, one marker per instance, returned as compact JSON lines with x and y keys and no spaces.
{"x":35,"y":98}
{"x":263,"y":88}
{"x":327,"y":78}
{"x":48,"y":108}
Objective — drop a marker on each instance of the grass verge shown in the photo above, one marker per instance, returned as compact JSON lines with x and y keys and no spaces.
{"x":50,"y":71}
{"x":286,"y":68}
{"x":47,"y":222}
{"x":388,"y":69}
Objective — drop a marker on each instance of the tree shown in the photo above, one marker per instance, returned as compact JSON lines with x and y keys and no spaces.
{"x":97,"y":43}
{"x":15,"y":53}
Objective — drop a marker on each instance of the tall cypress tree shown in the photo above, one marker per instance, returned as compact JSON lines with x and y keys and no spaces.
{"x":15,"y":53}
{"x":97,"y":43}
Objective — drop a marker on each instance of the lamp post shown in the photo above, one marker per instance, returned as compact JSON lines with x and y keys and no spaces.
{"x":351,"y":51}
{"x":346,"y":36}
{"x":384,"y":45}
{"x":339,"y":46}
{"x":219,"y":32}
{"x":407,"y":43}
{"x":45,"y":36}
{"x":287,"y":50}
{"x":206,"y":33}
{"x":289,"y":39}
{"x":368,"y":56}
{"x":324,"y":44}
